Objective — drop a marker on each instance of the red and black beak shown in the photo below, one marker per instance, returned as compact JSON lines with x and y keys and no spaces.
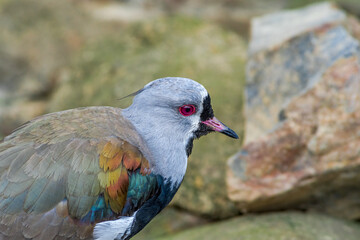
{"x":215,"y":125}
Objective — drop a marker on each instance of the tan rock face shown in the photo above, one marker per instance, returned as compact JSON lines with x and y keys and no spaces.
{"x":311,"y":159}
{"x":286,"y":63}
{"x":317,"y":147}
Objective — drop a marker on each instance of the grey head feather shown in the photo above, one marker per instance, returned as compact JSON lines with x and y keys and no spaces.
{"x":132,"y":94}
{"x":155,"y":115}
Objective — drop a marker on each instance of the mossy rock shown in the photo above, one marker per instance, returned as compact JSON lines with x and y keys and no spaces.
{"x":277,"y":226}
{"x":169,"y":221}
{"x":37,"y":39}
{"x":133,"y":55}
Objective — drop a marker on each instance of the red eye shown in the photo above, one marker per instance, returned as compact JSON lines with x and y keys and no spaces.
{"x":187,"y":110}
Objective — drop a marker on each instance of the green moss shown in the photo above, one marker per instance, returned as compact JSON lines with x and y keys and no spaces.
{"x":278,"y":226}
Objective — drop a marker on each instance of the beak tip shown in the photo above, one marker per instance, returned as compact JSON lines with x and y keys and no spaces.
{"x":229,"y":132}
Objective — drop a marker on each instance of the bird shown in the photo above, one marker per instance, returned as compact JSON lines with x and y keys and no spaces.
{"x":102,"y":172}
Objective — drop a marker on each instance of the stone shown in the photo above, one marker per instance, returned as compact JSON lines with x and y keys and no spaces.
{"x":231,"y":14}
{"x":34,"y":46}
{"x":275,"y":226}
{"x":168,"y":222}
{"x":291,"y":57}
{"x":353,"y":27}
{"x":289,"y":24}
{"x":303,"y":125}
{"x":350,"y":6}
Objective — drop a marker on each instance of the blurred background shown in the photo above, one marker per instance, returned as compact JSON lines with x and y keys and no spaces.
{"x":57,"y":55}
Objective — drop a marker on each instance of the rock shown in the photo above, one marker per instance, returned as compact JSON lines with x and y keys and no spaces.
{"x":276,"y":226}
{"x":168,"y":222}
{"x":271,"y":31}
{"x":119,"y":64}
{"x":351,"y":6}
{"x":34,"y":45}
{"x":232,"y":14}
{"x":310,"y":159}
{"x":292,"y":57}
{"x":353,"y":27}
{"x":115,"y":11}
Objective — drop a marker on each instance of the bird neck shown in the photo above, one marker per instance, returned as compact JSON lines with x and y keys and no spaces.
{"x":166,"y":145}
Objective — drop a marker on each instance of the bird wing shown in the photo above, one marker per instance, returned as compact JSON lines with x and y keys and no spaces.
{"x":70,"y":168}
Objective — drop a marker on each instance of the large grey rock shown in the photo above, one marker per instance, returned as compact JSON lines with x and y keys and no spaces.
{"x":310,"y":159}
{"x":271,"y":31}
{"x":287,"y":51}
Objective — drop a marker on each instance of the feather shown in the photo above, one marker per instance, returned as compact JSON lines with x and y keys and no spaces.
{"x":85,"y":158}
{"x":145,"y":168}
{"x":9,"y":154}
{"x":15,"y":172}
{"x":48,"y":233}
{"x":3,"y":184}
{"x":57,"y":166}
{"x":9,"y":231}
{"x":4,"y":204}
{"x":13,"y":204}
{"x":67,"y":228}
{"x":114,"y":162}
{"x":14,"y":189}
{"x":33,"y":194}
{"x":110,"y":149}
{"x":33,"y":225}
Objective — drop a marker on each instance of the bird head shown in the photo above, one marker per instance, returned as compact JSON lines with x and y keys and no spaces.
{"x":179,"y":106}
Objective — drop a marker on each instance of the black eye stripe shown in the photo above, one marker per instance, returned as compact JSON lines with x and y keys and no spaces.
{"x":207,"y":112}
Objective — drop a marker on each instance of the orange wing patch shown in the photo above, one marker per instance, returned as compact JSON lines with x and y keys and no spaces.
{"x":116,"y":159}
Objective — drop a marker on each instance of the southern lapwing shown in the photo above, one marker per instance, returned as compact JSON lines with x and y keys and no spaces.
{"x":102,"y":172}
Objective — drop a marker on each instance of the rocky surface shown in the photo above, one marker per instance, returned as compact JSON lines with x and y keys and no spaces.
{"x":269,"y":32}
{"x":34,"y":45}
{"x":232,"y":14}
{"x":170,"y":221}
{"x":277,"y":226}
{"x":310,"y":159}
{"x":283,"y":64}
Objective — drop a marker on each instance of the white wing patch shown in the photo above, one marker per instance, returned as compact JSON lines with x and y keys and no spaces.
{"x":114,"y":230}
